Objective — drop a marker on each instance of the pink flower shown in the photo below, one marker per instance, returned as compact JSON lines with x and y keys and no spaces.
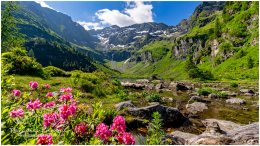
{"x":67,"y":110}
{"x":17,"y":113}
{"x":16,"y":92}
{"x":66,"y":90}
{"x":34,"y":104}
{"x":118,"y":124}
{"x":66,"y":97}
{"x":59,"y":125}
{"x":49,"y":104}
{"x":50,"y":118}
{"x":125,"y":138}
{"x":44,"y":139}
{"x":33,"y":85}
{"x":47,"y":86}
{"x":103,"y":132}
{"x":80,"y":128}
{"x":49,"y":94}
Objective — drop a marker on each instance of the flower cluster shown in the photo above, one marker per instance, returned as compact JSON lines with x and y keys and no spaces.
{"x":16,"y":92}
{"x":66,"y":90}
{"x":66,"y":97}
{"x":118,"y":124}
{"x":50,"y":119}
{"x":17,"y":113}
{"x":49,"y":104}
{"x":44,"y":139}
{"x":67,"y":110}
{"x":34,"y":104}
{"x":33,"y":85}
{"x":47,"y":86}
{"x":80,"y":129}
{"x":103,"y":132}
{"x":126,"y":138}
{"x":49,"y":94}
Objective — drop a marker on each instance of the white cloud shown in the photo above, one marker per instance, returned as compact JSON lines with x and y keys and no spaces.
{"x":136,"y":12}
{"x":43,"y":4}
{"x":90,"y":25}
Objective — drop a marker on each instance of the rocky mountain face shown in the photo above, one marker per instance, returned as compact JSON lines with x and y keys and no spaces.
{"x":134,"y":36}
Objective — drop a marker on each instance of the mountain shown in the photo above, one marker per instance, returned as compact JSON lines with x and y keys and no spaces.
{"x":222,"y":41}
{"x":53,"y":46}
{"x":134,"y":36}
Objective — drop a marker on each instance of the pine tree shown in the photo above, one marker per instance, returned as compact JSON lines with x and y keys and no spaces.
{"x":217,"y":29}
{"x":11,"y":37}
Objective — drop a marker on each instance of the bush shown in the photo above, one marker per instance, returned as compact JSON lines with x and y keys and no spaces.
{"x":87,"y":86}
{"x":17,"y":62}
{"x":55,"y":71}
{"x":194,"y":73}
{"x":222,"y":94}
{"x":234,"y":84}
{"x":155,"y":132}
{"x":154,"y":98}
{"x":206,"y":91}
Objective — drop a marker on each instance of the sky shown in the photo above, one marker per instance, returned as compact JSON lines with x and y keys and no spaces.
{"x":98,"y":14}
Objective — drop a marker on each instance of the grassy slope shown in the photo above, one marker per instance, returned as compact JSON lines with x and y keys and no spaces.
{"x":234,"y":68}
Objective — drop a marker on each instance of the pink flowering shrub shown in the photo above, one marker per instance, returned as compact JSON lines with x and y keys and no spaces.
{"x":49,"y":104}
{"x":49,"y":94}
{"x":81,"y":129}
{"x":66,"y":97}
{"x":16,"y":92}
{"x":33,"y":85}
{"x":47,"y":86}
{"x":67,"y":110}
{"x":17,"y":113}
{"x":60,"y":120}
{"x":44,"y":139}
{"x":34,"y":104}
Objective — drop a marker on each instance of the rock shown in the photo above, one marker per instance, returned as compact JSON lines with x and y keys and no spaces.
{"x":123,"y":105}
{"x":172,"y":85}
{"x":167,"y":99}
{"x":159,"y":86}
{"x":182,"y":86}
{"x":249,"y":94}
{"x":196,"y":107}
{"x":199,"y":99}
{"x":223,"y":125}
{"x":194,"y":94}
{"x":182,"y":134}
{"x":171,"y":116}
{"x":235,"y":101}
{"x":150,"y":86}
{"x":248,"y":134}
{"x":247,"y":91}
{"x":142,"y":81}
{"x":132,"y":85}
{"x":212,"y":96}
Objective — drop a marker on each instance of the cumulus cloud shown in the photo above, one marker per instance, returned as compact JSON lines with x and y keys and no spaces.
{"x":90,"y":25}
{"x":136,"y":12}
{"x":43,"y":4}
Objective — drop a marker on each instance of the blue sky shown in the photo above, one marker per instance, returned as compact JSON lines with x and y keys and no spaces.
{"x":99,"y":14}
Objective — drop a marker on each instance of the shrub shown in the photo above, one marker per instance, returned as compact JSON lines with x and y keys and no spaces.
{"x":87,"y":86}
{"x":154,"y":98}
{"x":206,"y":91}
{"x":250,"y":62}
{"x":155,"y":132}
{"x":222,"y":94}
{"x":17,"y":62}
{"x":234,"y":84}
{"x":194,"y":73}
{"x":55,"y":71}
{"x":99,"y":91}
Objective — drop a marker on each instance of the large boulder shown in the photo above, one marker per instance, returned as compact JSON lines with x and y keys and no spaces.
{"x":199,"y":99}
{"x":159,"y":86}
{"x":248,"y":134}
{"x":170,"y":116}
{"x":123,"y":105}
{"x":142,"y":81}
{"x":132,"y":85}
{"x":196,"y":107}
{"x":235,"y":101}
{"x":223,"y":125}
{"x":182,"y":86}
{"x":247,"y":91}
